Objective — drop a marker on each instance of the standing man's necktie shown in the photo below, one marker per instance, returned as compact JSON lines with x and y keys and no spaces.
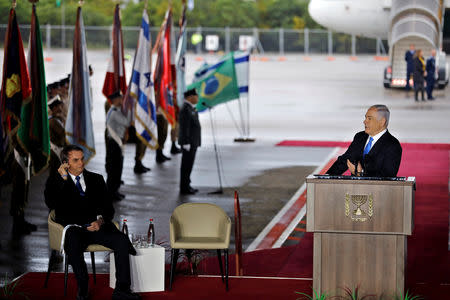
{"x":368,"y":147}
{"x":78,"y":185}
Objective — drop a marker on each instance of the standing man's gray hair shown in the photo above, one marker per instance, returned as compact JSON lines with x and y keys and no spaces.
{"x":383,"y":112}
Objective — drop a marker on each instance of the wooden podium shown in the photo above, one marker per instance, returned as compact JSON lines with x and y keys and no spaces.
{"x":360,"y":228}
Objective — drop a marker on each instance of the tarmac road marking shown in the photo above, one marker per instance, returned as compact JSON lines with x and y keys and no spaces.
{"x":280,"y":227}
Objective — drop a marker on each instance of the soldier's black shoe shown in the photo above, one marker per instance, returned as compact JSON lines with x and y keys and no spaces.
{"x":21,"y":227}
{"x":117,"y":196}
{"x":188,"y":191}
{"x":125,"y":295}
{"x":175,"y":149}
{"x":139,"y":168}
{"x":81,"y":296}
{"x":30,"y":226}
{"x":193,"y":189}
{"x":160,"y":157}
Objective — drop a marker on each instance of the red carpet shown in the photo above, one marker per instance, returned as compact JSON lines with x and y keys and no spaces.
{"x":184,"y":287}
{"x":428,"y":266}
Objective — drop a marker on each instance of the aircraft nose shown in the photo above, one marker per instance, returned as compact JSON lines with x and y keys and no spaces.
{"x":317,"y":11}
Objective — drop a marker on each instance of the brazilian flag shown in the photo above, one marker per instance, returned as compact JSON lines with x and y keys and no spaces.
{"x":219,"y":84}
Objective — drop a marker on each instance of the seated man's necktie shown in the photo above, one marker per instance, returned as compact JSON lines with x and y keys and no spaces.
{"x":78,"y":185}
{"x":368,"y":147}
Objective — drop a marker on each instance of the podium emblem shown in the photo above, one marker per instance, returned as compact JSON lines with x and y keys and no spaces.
{"x":359,"y":208}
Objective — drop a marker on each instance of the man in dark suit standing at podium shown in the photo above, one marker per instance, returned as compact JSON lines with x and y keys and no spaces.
{"x":374,"y":151}
{"x":189,"y":139}
{"x":80,"y":197}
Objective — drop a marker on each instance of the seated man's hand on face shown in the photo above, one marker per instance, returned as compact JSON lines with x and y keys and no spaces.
{"x":62,"y":170}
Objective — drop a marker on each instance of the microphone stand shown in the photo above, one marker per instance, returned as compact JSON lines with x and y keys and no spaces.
{"x":220,"y":190}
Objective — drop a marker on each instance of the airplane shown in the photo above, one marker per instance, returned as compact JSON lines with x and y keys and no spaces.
{"x":359,"y":17}
{"x":418,"y":23}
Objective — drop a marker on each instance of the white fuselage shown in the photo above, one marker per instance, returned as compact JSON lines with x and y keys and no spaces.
{"x":369,"y":18}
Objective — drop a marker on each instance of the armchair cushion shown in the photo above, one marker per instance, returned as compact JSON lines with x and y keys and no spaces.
{"x":199,"y":226}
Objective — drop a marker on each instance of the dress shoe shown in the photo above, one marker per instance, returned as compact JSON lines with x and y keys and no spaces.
{"x":175,"y":149}
{"x":160,"y":157}
{"x":193,"y":189}
{"x":140,"y":169}
{"x":187,"y":192}
{"x":22,"y":227}
{"x":30,"y":226}
{"x":117,"y":196}
{"x":125,"y":295}
{"x":431,"y":98}
{"x":82,"y":296}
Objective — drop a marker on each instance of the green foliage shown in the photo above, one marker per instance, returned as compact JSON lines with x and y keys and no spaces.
{"x":353,"y":294}
{"x":8,"y":291}
{"x":212,"y":13}
{"x":407,"y":296}
{"x":315,"y":296}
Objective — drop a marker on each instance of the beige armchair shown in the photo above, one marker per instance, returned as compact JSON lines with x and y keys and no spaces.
{"x":55,"y":231}
{"x":199,"y":226}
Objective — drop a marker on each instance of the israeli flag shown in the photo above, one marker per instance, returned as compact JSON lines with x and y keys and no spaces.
{"x":241,"y":65}
{"x":140,"y":88}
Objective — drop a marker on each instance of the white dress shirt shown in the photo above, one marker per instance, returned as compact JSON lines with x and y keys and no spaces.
{"x":376,"y":137}
{"x":82,"y":183}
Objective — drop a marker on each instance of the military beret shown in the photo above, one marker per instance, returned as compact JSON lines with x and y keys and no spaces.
{"x":191,"y":92}
{"x":115,"y":95}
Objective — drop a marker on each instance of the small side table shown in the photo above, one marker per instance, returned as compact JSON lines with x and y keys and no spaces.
{"x":146,"y":269}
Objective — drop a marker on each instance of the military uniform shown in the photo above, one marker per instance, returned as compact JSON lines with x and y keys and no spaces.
{"x":116,"y":127}
{"x":189,"y":139}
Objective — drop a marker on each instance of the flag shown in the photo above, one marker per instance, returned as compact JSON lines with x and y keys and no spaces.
{"x":33,"y":135}
{"x":217,"y":86}
{"x":140,"y":88}
{"x":242,"y":67}
{"x":79,"y":129}
{"x":163,"y":77}
{"x":2,"y":147}
{"x":180,"y":59}
{"x":115,"y":73}
{"x":16,"y":87}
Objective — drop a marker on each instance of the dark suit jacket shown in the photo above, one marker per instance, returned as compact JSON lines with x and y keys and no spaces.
{"x":409,"y":57}
{"x":430,"y":68}
{"x":70,"y":207}
{"x":383,"y":160}
{"x":190,"y":129}
{"x":418,"y":72}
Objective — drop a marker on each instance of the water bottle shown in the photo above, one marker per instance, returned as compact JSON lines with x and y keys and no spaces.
{"x":125,"y":228}
{"x":151,"y":233}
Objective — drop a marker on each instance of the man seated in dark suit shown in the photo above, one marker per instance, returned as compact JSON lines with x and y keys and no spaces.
{"x":374,"y":151}
{"x":81,"y":197}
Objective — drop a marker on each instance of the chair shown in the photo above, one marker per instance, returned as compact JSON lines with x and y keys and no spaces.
{"x":55,"y":231}
{"x":199,"y":226}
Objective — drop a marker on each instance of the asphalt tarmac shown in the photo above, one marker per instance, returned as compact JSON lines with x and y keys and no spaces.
{"x":297,"y":99}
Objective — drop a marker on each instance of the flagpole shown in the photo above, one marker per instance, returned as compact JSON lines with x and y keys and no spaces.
{"x":247,"y":137}
{"x":220,"y":190}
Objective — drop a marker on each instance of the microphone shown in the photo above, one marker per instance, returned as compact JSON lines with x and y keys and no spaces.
{"x":206,"y":105}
